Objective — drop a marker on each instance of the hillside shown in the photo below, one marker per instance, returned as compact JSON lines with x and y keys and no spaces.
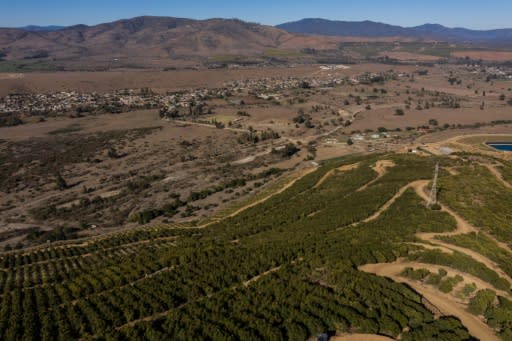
{"x":374,"y":29}
{"x":153,"y":40}
{"x":166,"y":42}
{"x":298,"y":262}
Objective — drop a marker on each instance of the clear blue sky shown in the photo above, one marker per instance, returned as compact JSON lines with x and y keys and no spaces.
{"x":478,"y":14}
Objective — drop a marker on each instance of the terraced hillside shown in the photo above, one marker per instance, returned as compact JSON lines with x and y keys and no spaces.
{"x":347,"y":248}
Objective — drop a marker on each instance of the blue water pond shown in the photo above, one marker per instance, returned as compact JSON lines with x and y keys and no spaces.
{"x":501,"y":146}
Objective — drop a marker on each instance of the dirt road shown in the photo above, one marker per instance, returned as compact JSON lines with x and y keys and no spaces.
{"x":330,"y":173}
{"x":381,"y":168}
{"x":444,"y":302}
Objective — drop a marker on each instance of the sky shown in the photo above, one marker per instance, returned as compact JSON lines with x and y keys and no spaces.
{"x":475,"y":14}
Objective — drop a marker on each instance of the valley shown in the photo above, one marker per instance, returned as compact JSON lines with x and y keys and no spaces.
{"x":165,"y":178}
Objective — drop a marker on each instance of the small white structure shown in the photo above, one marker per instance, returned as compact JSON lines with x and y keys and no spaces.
{"x":446,"y":150}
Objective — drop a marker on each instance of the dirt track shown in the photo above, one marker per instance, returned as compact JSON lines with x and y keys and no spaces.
{"x":381,"y":168}
{"x":387,"y":204}
{"x":330,"y":173}
{"x":444,"y":302}
{"x":498,"y":175}
{"x":299,"y":175}
{"x":463,"y":227}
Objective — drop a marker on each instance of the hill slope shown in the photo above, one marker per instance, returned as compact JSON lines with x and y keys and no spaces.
{"x":144,"y":39}
{"x":294,"y":265}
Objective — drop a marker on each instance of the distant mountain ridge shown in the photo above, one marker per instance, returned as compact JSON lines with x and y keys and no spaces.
{"x":374,"y":29}
{"x":35,"y":28}
{"x":161,"y":42}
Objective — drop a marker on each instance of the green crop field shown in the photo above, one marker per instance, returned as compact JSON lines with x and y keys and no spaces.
{"x":285,"y":269}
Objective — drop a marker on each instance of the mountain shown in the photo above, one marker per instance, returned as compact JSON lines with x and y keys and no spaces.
{"x":375,"y":29}
{"x":161,"y":42}
{"x":152,"y":41}
{"x":342,"y":28}
{"x":35,"y":28}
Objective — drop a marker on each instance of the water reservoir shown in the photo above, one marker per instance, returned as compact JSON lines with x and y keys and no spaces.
{"x":501,"y":146}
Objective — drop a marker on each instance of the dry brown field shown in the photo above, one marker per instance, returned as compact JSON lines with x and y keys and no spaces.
{"x":403,"y":56}
{"x":159,"y":81}
{"x":500,"y":56}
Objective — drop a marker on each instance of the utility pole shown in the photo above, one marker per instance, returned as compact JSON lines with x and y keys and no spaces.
{"x":433,"y":191}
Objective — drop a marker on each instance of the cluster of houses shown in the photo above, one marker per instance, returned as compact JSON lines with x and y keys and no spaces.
{"x":71,"y":102}
{"x":117,"y":101}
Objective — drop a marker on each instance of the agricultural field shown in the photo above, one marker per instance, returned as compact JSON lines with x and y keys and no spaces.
{"x":324,"y":251}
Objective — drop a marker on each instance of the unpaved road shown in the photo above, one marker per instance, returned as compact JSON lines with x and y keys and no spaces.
{"x":381,"y":168}
{"x":444,"y":302}
{"x":330,"y":173}
{"x":387,"y":204}
{"x":297,"y":176}
{"x":498,"y":175}
{"x":256,"y":278}
{"x":463,"y":227}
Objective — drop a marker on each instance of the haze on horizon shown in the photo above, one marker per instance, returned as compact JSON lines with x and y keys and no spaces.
{"x":456,"y":13}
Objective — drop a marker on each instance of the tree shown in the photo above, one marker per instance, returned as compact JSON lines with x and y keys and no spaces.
{"x":289,"y":150}
{"x":482,"y":301}
{"x":433,"y":122}
{"x":304,"y":85}
{"x":399,"y":112}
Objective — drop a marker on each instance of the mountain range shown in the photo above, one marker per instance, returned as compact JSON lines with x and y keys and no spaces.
{"x":375,"y":29}
{"x":35,"y":28}
{"x":163,"y":41}
{"x":151,"y":40}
